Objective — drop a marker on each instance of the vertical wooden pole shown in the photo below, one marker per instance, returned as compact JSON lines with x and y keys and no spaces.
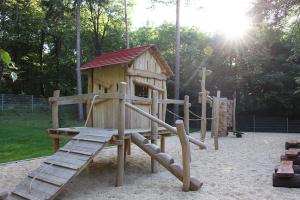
{"x":55,"y":123}
{"x":154,"y":127}
{"x":234,"y":115}
{"x":203,"y":105}
{"x":186,"y":116}
{"x":185,"y":145}
{"x":216,"y":120}
{"x":121,"y":131}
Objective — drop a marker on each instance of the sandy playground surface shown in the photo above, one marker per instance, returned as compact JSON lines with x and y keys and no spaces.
{"x":241,"y":169}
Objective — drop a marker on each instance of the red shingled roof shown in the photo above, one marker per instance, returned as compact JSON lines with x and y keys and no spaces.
{"x":125,"y":56}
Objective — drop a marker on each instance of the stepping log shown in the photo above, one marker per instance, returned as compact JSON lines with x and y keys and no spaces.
{"x":164,"y":157}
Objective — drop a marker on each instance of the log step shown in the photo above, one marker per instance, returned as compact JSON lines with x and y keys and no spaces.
{"x":153,"y":148}
{"x":164,"y":157}
{"x":285,"y":169}
{"x":139,"y":138}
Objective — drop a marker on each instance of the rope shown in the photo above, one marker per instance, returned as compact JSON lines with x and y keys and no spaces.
{"x":169,"y":111}
{"x":90,"y":111}
{"x":195,"y":115}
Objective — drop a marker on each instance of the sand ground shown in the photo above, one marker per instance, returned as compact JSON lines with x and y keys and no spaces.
{"x":241,"y":169}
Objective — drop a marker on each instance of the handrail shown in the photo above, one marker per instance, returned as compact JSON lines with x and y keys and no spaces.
{"x":164,"y":124}
{"x":82,"y":98}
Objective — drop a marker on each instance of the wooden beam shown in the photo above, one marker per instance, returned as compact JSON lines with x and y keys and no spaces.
{"x":148,"y":85}
{"x":203,"y":106}
{"x":185,"y":145}
{"x":216,"y":113}
{"x":121,"y":132}
{"x":146,"y":74}
{"x":82,"y":98}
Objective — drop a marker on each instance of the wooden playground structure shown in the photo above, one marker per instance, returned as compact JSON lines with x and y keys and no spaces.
{"x":126,"y":103}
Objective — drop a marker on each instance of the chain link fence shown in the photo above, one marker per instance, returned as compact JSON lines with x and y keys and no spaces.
{"x":29,"y":103}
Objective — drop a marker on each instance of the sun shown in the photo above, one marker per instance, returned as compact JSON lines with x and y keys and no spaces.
{"x":229,"y":17}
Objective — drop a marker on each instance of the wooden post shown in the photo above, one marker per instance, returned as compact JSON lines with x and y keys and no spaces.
{"x":203,"y":105}
{"x":234,"y":116}
{"x":121,"y":131}
{"x":216,"y":113}
{"x":55,"y":123}
{"x":154,"y":127}
{"x":185,"y":145}
{"x":186,"y":116}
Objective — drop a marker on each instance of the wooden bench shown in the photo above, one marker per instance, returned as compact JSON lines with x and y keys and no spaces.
{"x":285,"y":169}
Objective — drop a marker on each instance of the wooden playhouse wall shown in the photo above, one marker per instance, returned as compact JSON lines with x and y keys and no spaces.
{"x":143,"y":69}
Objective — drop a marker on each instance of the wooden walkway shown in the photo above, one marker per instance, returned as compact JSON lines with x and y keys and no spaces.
{"x":54,"y":173}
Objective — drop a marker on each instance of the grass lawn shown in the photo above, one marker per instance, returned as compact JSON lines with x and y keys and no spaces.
{"x":23,"y":135}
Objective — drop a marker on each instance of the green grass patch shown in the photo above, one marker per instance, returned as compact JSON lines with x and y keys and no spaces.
{"x":23,"y":136}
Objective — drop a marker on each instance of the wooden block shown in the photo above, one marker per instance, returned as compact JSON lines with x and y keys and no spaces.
{"x":195,"y":184}
{"x":292,"y":152}
{"x":285,"y":169}
{"x":291,"y":182}
{"x":76,"y":151}
{"x":292,"y":142}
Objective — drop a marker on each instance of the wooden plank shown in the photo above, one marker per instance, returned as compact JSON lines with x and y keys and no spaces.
{"x":154,"y":127}
{"x":292,"y":152}
{"x":82,"y":98}
{"x":285,"y":169}
{"x":83,"y":145}
{"x":171,"y":101}
{"x":149,"y":85}
{"x":15,"y":197}
{"x":52,"y":174}
{"x":92,"y":138}
{"x":39,"y":190}
{"x":146,"y":74}
{"x":76,"y":151}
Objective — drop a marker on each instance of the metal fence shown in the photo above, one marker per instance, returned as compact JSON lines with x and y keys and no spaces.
{"x":29,"y":103}
{"x":23,"y":103}
{"x":253,"y":123}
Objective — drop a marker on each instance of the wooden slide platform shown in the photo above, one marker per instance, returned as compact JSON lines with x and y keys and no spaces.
{"x":164,"y":159}
{"x":54,"y":173}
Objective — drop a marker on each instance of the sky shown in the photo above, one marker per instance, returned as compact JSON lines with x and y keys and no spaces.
{"x":228,"y":16}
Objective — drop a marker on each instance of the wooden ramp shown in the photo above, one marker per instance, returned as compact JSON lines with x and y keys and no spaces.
{"x":54,"y":173}
{"x":164,"y":159}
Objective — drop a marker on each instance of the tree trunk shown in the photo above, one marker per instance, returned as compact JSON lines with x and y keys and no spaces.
{"x":177,"y":59}
{"x":78,"y":74}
